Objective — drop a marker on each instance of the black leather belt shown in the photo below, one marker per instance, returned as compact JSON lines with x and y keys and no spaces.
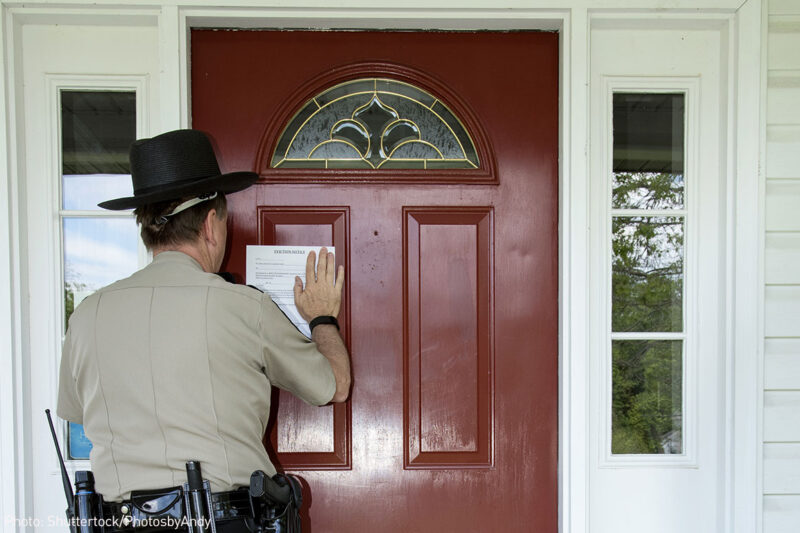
{"x":165,"y":505}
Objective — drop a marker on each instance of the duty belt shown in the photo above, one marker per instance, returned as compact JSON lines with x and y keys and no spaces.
{"x":166,"y":508}
{"x":268,"y":504}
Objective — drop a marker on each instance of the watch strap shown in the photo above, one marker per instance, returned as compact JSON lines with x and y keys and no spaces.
{"x":324,"y":319}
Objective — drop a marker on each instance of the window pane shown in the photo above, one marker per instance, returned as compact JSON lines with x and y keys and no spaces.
{"x":78,"y":445}
{"x":97,"y":251}
{"x":85,"y":191}
{"x":647,"y":274}
{"x":648,"y":151}
{"x":647,"y":409}
{"x":97,"y":129}
{"x":375,"y":123}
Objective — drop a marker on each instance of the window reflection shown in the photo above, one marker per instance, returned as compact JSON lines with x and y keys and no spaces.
{"x":97,"y":251}
{"x":97,"y":128}
{"x":647,"y":190}
{"x":647,"y":274}
{"x":648,"y":151}
{"x":647,"y":407}
{"x":649,"y":132}
{"x":85,"y":191}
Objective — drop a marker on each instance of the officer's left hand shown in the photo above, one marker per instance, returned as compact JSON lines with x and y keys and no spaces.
{"x":321,"y":295}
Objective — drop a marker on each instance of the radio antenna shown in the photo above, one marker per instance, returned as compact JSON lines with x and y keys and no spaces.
{"x":64,"y":475}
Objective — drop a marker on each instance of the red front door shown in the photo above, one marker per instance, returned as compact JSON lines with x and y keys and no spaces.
{"x":451,"y":308}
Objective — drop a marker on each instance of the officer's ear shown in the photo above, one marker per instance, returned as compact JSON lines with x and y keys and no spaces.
{"x":209,"y":227}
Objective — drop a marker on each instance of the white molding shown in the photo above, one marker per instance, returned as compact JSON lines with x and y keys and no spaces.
{"x":314,"y":7}
{"x":746,"y":222}
{"x":574,"y":186}
{"x":184,"y":76}
{"x":16,"y":459}
{"x":173,"y":88}
{"x":9,"y":499}
{"x":550,"y":18}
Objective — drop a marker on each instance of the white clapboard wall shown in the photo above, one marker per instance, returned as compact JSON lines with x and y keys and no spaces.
{"x":782,"y":272}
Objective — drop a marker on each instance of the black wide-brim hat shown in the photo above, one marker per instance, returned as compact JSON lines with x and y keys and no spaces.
{"x":174,"y":165}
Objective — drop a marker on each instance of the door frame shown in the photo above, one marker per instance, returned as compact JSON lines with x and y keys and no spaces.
{"x":744,"y":24}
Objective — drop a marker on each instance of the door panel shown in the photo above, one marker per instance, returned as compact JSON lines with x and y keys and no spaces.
{"x":305,"y":437}
{"x":452,"y":279}
{"x":448,"y":289}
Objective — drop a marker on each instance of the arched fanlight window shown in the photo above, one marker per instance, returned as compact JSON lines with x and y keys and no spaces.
{"x":375,"y":123}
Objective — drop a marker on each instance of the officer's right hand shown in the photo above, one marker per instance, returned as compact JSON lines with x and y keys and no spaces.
{"x":321,"y":295}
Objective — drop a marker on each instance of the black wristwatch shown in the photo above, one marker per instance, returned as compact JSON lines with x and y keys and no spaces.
{"x":324,"y":319}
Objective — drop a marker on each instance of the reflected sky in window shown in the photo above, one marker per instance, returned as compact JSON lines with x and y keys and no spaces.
{"x":99,"y":251}
{"x":85,"y":191}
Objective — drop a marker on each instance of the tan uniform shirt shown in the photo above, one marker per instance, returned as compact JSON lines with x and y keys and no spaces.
{"x":175,"y":364}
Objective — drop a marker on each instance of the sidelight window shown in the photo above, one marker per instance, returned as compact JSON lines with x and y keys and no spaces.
{"x":648,"y":221}
{"x":97,"y":246}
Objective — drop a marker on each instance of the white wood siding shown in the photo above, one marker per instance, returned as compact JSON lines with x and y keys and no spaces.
{"x":782,"y":272}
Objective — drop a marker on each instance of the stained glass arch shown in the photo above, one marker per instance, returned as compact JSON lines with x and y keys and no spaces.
{"x":375,"y":123}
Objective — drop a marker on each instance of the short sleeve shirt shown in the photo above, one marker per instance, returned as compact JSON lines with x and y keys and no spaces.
{"x":175,"y":364}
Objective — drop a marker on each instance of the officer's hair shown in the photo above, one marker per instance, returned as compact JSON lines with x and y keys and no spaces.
{"x":181,"y":228}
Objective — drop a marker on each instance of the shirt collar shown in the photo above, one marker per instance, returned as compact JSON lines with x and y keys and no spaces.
{"x":174,"y":256}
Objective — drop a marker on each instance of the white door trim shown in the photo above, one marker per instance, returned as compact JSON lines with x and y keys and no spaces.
{"x":14,"y":463}
{"x":745,"y":336}
{"x":746,"y":225}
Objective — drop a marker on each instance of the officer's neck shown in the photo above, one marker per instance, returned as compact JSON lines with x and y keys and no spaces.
{"x":199,"y":253}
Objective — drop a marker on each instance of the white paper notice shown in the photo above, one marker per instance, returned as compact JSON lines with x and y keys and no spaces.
{"x":273,"y":268}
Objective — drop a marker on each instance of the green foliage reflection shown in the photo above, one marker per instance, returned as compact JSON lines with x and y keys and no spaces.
{"x":647,"y":274}
{"x":647,"y":397}
{"x":647,"y":190}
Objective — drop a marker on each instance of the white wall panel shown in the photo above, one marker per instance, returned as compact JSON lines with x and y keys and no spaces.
{"x":783,"y":151}
{"x":782,"y":364}
{"x":784,"y":7}
{"x":782,"y":258}
{"x":782,"y":468}
{"x":781,"y":514}
{"x":784,"y":42}
{"x":783,"y":200}
{"x":782,"y":311}
{"x":782,"y":416}
{"x":783,"y":94}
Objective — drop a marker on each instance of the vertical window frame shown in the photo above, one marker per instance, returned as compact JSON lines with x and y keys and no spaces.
{"x":690,"y":88}
{"x":56,"y":83}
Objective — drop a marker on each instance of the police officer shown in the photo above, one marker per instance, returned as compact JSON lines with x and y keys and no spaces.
{"x":174,"y":363}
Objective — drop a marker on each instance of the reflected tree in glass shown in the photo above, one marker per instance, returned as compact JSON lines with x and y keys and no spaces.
{"x":647,"y":397}
{"x":647,"y":190}
{"x":647,"y":274}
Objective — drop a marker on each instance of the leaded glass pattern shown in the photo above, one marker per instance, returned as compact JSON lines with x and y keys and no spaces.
{"x":375,"y":123}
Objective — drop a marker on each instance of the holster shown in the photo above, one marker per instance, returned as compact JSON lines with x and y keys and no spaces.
{"x":276,"y":502}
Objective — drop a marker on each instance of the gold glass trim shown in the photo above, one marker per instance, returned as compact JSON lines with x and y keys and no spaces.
{"x":375,"y":130}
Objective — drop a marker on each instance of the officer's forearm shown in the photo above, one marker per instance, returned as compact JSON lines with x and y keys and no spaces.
{"x":330,"y":344}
